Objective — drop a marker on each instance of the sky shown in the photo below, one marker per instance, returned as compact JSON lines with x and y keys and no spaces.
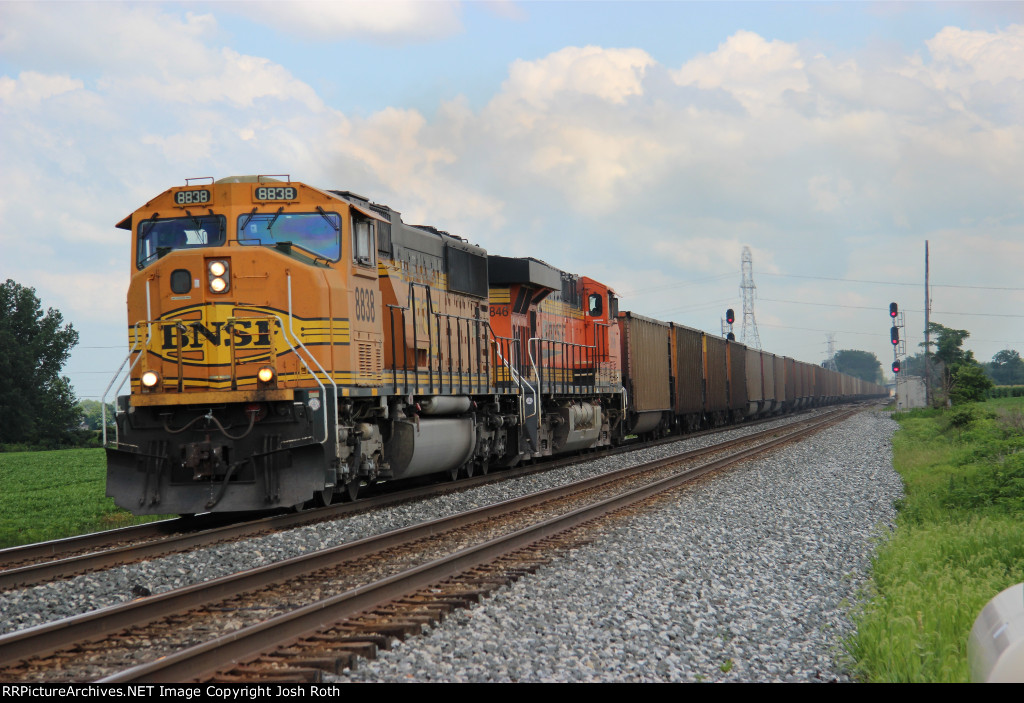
{"x":643,"y":144}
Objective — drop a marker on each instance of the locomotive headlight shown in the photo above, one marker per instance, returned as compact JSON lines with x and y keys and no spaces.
{"x":150,"y":379}
{"x":219,"y":276}
{"x":265,"y":374}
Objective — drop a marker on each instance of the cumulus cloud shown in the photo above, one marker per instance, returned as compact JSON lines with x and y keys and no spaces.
{"x":609,"y":74}
{"x":982,"y":56}
{"x":408,"y":161}
{"x":387,"y":21}
{"x":32,"y":88}
{"x":756,"y":71}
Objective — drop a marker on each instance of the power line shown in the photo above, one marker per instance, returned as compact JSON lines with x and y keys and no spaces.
{"x":669,"y":286}
{"x":891,"y":282}
{"x":872,"y":307}
{"x":693,"y":308}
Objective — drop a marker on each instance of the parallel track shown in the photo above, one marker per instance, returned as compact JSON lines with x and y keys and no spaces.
{"x":192,"y":659}
{"x":60,"y":559}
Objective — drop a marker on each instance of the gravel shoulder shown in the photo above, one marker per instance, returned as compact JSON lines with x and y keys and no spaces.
{"x":746,"y":577}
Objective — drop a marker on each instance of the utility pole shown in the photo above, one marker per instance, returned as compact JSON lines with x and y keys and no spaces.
{"x":927,"y":336}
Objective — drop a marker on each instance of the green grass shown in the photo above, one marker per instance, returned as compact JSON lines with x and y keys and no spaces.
{"x":54,"y":494}
{"x":959,"y":541}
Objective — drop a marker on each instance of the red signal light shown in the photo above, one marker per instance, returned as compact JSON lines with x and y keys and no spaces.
{"x":895,"y":367}
{"x":894,"y":335}
{"x":893,"y":310}
{"x":730,"y":316}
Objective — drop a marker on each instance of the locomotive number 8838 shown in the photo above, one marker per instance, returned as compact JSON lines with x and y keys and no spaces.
{"x":289,"y":344}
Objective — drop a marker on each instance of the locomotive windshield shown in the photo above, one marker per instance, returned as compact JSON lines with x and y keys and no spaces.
{"x":316,"y":232}
{"x":158,"y":237}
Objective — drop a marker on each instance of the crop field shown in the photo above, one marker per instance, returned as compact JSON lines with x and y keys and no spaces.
{"x":49,"y":495}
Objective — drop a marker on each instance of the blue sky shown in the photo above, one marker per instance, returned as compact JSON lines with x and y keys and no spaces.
{"x":642,"y":143}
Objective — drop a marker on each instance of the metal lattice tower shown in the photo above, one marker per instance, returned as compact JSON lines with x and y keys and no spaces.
{"x":748,"y":333}
{"x":830,"y":363}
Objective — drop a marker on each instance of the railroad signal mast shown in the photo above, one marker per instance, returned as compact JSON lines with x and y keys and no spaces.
{"x":730,"y":317}
{"x":899,"y":346}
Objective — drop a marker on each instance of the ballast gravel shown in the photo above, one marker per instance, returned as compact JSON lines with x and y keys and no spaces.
{"x":746,"y":577}
{"x":45,"y":603}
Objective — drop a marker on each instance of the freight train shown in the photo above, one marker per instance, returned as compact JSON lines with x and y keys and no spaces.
{"x":289,"y":345}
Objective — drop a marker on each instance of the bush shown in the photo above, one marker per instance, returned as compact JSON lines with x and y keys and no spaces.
{"x":969,"y":384}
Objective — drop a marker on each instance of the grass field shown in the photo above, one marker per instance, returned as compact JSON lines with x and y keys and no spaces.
{"x":48,"y":495}
{"x":959,"y":541}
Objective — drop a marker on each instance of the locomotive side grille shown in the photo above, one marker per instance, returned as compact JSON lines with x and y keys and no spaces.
{"x":370,"y":358}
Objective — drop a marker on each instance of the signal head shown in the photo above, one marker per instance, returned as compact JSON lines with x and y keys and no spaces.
{"x":894,"y":335}
{"x":730,"y":316}
{"x":893,"y":309}
{"x":896,"y":367}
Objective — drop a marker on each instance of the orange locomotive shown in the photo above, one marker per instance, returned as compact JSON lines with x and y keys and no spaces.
{"x":290,"y":343}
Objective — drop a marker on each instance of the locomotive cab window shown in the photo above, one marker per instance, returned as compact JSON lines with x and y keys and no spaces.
{"x":362,"y":241}
{"x":595,"y":304}
{"x":317,"y":232}
{"x":158,"y":237}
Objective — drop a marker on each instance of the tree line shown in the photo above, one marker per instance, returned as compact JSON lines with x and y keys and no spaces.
{"x":954,"y":375}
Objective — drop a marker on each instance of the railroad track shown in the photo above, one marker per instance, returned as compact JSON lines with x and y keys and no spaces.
{"x":65,"y":558}
{"x":333,"y":601}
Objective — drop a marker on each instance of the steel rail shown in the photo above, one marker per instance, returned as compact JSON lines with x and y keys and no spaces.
{"x":181,"y":534}
{"x":209,"y":657}
{"x":47,"y":638}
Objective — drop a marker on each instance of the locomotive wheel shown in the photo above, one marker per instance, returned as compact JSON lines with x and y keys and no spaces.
{"x":321,"y":499}
{"x":351,"y":491}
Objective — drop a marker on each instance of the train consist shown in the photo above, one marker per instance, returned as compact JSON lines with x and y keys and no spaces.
{"x":290,"y":344}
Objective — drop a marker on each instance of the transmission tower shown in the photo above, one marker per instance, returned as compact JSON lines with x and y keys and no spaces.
{"x":748,"y":333}
{"x":830,"y":362}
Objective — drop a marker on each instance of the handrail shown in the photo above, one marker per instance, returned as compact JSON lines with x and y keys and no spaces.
{"x":328,"y":376}
{"x":533,"y":363}
{"x":103,"y":398}
{"x":437,"y":316}
{"x":513,"y":373}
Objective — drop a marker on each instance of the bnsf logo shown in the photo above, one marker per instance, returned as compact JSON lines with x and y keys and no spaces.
{"x":247,"y":333}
